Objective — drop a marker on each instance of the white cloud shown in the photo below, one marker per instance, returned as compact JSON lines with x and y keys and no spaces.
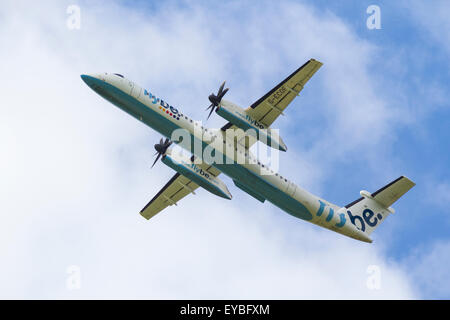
{"x":442,"y":193}
{"x":428,"y":267}
{"x":75,"y":169}
{"x":438,"y":192}
{"x":433,"y":17}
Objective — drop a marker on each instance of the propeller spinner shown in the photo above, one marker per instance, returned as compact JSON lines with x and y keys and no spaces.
{"x":215,"y":99}
{"x":161,"y":148}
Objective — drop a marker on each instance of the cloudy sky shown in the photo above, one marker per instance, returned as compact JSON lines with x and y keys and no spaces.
{"x":75,"y":170}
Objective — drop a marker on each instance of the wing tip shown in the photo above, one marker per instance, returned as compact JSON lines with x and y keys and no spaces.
{"x":317,"y":61}
{"x":412,"y":183}
{"x":143,"y":215}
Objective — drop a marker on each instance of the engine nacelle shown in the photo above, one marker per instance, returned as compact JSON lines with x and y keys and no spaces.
{"x":239,"y":117}
{"x":183,"y":165}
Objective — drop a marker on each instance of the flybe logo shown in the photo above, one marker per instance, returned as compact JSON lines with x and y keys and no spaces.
{"x":367,"y":217}
{"x":253,"y":122}
{"x":199,"y":171}
{"x":164,"y":106}
{"x":250,"y":120}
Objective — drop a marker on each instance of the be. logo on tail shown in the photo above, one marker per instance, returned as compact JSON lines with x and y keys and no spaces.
{"x":368,"y":217}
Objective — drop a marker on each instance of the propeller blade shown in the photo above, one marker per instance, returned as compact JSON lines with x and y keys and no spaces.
{"x":156,"y":160}
{"x":209,"y":115}
{"x":161,"y":148}
{"x":223,"y":93}
{"x":216,"y":99}
{"x":220,"y":89}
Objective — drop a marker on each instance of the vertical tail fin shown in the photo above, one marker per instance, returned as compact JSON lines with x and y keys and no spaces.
{"x":367,"y":212}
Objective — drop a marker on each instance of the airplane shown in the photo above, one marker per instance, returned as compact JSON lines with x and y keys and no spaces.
{"x":356,"y":220}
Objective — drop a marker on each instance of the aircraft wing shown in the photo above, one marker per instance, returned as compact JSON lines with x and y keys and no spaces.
{"x":177,"y":188}
{"x":267,"y":109}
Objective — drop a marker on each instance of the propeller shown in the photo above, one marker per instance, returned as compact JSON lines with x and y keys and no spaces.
{"x":215,"y":99}
{"x":161,"y":148}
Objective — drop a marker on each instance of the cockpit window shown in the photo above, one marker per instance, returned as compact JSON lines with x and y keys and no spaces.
{"x":118,"y":75}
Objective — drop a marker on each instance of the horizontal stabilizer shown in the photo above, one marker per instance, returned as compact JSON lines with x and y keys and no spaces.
{"x":367,"y":212}
{"x":393,"y":191}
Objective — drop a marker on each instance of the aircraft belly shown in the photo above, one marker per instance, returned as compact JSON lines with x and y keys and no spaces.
{"x":269,"y":191}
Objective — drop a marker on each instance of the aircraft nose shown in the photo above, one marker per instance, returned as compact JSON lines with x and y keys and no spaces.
{"x":88,"y":79}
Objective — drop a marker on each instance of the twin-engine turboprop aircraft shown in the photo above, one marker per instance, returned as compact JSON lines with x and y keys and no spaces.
{"x":356,"y":220}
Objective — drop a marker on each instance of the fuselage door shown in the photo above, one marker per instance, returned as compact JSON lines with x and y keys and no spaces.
{"x":135,"y":90}
{"x":291,"y":188}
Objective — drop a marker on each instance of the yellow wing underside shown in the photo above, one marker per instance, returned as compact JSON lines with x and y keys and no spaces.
{"x":177,"y":188}
{"x":267,"y":109}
